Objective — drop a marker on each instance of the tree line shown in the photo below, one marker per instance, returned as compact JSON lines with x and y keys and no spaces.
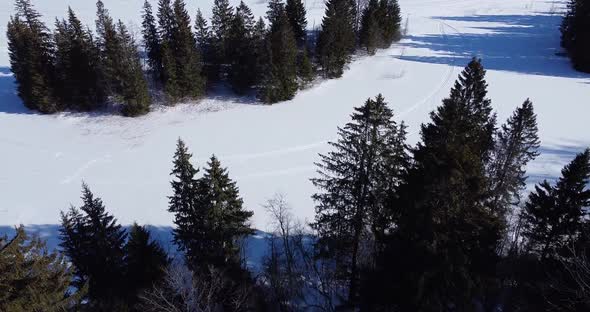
{"x":445,"y":225}
{"x":575,"y":34}
{"x":75,"y":68}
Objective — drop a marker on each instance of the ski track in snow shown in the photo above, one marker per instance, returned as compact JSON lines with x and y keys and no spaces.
{"x":268,"y":149}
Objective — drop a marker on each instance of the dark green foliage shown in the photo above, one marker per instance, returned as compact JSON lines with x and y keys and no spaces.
{"x":206,"y":46}
{"x":336,"y":40}
{"x":241,"y":52}
{"x":30,"y":49}
{"x":389,"y":20}
{"x":280,"y":81}
{"x":296,"y":13}
{"x":371,"y":35}
{"x":77,"y":66}
{"x":575,"y":34}
{"x":134,"y":92}
{"x":221,"y":21}
{"x":166,"y":23}
{"x":208,"y":214}
{"x":32,"y":278}
{"x":516,"y":145}
{"x":94,"y":243}
{"x":554,"y":216}
{"x":357,"y":179}
{"x":305,"y":71}
{"x":151,"y":41}
{"x":110,"y":49}
{"x":145,"y":260}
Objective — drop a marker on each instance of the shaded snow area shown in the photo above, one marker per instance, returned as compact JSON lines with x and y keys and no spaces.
{"x":270,"y":149}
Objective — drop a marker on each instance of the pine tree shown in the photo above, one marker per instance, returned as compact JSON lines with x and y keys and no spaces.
{"x":260,"y":51}
{"x":305,"y":71}
{"x":226,"y":219}
{"x":167,"y":25}
{"x":145,"y":262}
{"x":31,"y":59}
{"x":443,"y":216}
{"x":134,"y":90}
{"x":188,"y":63}
{"x":76,"y":65}
{"x":575,"y":34}
{"x":151,"y":41}
{"x":554,"y":215}
{"x":297,"y":17}
{"x":355,"y":181}
{"x":336,"y":39}
{"x":371,"y":35}
{"x":515,"y":146}
{"x":33,"y":278}
{"x":94,"y":243}
{"x":280,"y":82}
{"x":110,"y":49}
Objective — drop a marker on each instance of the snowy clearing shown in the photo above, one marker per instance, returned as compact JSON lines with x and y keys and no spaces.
{"x":270,"y":149}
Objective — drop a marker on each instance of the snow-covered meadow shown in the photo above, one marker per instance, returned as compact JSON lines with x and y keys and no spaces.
{"x":270,"y":149}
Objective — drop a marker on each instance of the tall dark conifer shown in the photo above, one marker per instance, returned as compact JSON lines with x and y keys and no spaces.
{"x":241,"y":50}
{"x":151,"y":41}
{"x":356,"y":181}
{"x":30,"y":48}
{"x":337,"y":39}
{"x":297,"y":17}
{"x":371,"y":35}
{"x":221,"y":21}
{"x":575,"y":34}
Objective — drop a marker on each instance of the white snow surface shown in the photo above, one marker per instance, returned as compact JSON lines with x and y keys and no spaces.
{"x":270,"y":149}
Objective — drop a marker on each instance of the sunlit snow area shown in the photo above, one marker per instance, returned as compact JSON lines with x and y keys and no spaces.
{"x":272,"y":149}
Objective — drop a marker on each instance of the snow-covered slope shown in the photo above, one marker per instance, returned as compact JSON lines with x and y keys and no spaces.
{"x":270,"y":149}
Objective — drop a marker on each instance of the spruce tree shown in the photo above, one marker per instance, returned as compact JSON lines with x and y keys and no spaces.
{"x":280,"y":82}
{"x":297,"y":17}
{"x":110,"y":49}
{"x":167,"y":24}
{"x":371,"y":35}
{"x":356,"y":180}
{"x":336,"y":40}
{"x":221,"y":21}
{"x":554,"y":216}
{"x":575,"y":34}
{"x":443,"y":218}
{"x":151,"y":41}
{"x":33,"y":278}
{"x":76,"y":65}
{"x":226,"y":219}
{"x":94,"y":243}
{"x":516,"y":145}
{"x":145,"y":262}
{"x":134,"y":92}
{"x":305,"y":70}
{"x":389,"y":20}
{"x":30,"y":50}
{"x":260,"y":50}
{"x":240,"y":50}
{"x":187,"y":57}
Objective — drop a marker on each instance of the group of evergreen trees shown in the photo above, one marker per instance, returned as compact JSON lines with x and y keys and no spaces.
{"x":74,"y":68}
{"x":575,"y":34}
{"x":439,"y":224}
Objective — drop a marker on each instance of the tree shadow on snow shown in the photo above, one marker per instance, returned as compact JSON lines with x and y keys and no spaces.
{"x":528,"y":44}
{"x":10,"y":103}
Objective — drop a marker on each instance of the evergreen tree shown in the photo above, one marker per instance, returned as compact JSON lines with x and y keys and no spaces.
{"x":110,"y":49}
{"x":151,"y":41}
{"x":240,"y":50}
{"x":188,"y":63}
{"x":305,"y":71}
{"x":260,"y":50}
{"x":389,"y":20}
{"x":280,"y":82}
{"x":134,"y":90}
{"x":76,"y":65}
{"x":94,"y":243}
{"x":204,"y":39}
{"x":371,"y":36}
{"x":30,"y":48}
{"x":226,"y":219}
{"x":145,"y":261}
{"x":336,"y":39}
{"x":443,"y":250}
{"x":516,"y":145}
{"x":167,"y":25}
{"x":297,"y":17}
{"x":221,"y":21}
{"x":32,"y":278}
{"x":554,"y":216}
{"x":356,"y":180}
{"x":575,"y":34}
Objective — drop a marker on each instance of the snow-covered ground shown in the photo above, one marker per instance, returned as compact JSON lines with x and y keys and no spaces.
{"x":270,"y":149}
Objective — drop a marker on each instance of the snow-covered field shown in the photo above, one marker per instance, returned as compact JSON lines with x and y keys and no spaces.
{"x":270,"y":149}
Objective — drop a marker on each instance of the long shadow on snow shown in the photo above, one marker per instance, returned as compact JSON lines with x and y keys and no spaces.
{"x":255,"y":245}
{"x":528,"y":44}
